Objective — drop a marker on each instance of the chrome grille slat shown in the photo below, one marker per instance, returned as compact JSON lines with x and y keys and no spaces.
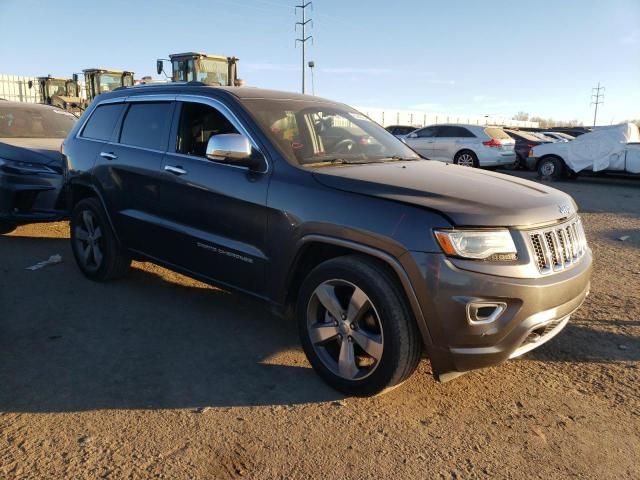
{"x":558,"y":247}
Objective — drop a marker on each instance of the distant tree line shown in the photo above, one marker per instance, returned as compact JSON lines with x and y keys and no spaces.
{"x":550,"y":122}
{"x":547,"y":122}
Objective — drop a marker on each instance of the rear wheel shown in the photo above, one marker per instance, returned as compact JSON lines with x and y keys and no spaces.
{"x":550,"y":168}
{"x":355,"y":326}
{"x":466,"y":158}
{"x":94,"y":245}
{"x":7,"y":227}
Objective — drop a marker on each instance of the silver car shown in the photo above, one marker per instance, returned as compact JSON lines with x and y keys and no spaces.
{"x":468,"y":145}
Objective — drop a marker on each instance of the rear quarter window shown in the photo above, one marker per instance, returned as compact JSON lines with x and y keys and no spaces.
{"x":497,"y":133}
{"x":102,"y":122}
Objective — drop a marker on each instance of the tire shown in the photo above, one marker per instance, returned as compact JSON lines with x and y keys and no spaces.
{"x":466,"y":158}
{"x":551,"y":168}
{"x":95,"y":248}
{"x":7,"y":227}
{"x":335,"y":342}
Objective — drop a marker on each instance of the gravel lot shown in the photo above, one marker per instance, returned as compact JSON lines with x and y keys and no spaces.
{"x":160,"y":376}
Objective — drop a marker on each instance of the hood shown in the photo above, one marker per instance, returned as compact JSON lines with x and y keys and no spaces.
{"x":552,"y":148}
{"x":33,"y":150}
{"x":467,"y":196}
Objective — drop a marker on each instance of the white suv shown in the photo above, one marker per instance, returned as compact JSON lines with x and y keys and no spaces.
{"x":468,"y":145}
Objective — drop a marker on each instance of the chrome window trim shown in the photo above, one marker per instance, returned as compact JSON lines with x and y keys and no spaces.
{"x":207,"y":161}
{"x":212,"y":102}
{"x":107,"y":101}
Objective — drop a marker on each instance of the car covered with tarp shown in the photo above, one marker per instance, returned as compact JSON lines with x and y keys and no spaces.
{"x":613,"y":148}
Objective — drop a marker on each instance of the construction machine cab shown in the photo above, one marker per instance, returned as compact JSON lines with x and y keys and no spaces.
{"x":201,"y":67}
{"x":59,"y":92}
{"x":102,"y":80}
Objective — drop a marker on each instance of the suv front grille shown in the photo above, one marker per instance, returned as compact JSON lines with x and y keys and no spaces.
{"x":558,"y":247}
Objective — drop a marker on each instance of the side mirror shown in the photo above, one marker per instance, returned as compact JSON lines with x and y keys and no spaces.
{"x":233,"y":148}
{"x":30,"y":83}
{"x":159,"y":66}
{"x":412,"y":135}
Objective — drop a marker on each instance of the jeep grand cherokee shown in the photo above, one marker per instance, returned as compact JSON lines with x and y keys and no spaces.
{"x":307,"y":204}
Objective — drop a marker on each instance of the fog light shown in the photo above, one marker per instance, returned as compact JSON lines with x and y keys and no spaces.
{"x":480,"y":313}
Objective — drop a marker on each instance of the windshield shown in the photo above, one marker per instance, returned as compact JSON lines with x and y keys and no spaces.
{"x":109,"y":82}
{"x":34,"y":122}
{"x":313,"y":134}
{"x":213,"y":72}
{"x":56,"y":87}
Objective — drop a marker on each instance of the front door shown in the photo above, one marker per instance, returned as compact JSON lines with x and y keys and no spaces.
{"x":214,"y":214}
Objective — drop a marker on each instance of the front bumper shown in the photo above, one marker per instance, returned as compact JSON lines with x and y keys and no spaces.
{"x":26,"y":198}
{"x":534,"y":310}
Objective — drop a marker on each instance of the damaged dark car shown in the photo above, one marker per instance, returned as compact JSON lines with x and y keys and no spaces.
{"x":31,"y":163}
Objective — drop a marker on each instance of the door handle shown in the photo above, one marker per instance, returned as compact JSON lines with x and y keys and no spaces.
{"x":175,"y":170}
{"x":108,"y":155}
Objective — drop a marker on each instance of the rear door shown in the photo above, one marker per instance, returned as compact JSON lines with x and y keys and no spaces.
{"x":130,"y":169}
{"x":450,"y":140}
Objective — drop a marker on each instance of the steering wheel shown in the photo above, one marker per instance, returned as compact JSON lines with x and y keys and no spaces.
{"x":344,"y":146}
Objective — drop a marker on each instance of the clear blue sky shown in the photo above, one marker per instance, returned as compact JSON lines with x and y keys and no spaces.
{"x":471,"y":57}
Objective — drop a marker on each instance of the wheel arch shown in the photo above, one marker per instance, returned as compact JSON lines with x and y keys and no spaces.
{"x":314,"y":249}
{"x":79,"y":190}
{"x":466,"y":150}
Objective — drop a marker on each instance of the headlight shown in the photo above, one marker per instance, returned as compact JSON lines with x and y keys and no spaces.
{"x":12,"y":166}
{"x":478,"y":244}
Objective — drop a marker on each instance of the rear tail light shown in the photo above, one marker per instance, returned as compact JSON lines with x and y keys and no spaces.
{"x":495,"y":143}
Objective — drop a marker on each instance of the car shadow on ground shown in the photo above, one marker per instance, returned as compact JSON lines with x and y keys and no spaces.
{"x":591,"y":342}
{"x":152,"y":340}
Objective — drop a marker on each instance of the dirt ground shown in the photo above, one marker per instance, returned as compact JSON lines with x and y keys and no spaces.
{"x":160,"y":376}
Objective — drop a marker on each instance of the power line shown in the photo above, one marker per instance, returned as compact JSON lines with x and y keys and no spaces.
{"x":304,"y":38}
{"x":597,"y":98}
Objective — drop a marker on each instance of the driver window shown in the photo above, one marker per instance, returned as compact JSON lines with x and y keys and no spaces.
{"x":198,"y":123}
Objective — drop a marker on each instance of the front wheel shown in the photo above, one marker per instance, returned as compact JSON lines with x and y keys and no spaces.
{"x":355,"y":326}
{"x":95,"y":248}
{"x":550,"y":168}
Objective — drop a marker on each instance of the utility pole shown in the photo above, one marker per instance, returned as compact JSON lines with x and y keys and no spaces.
{"x":597,"y":98}
{"x":304,"y":38}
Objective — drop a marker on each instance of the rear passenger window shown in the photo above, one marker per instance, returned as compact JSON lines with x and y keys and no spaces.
{"x":454,"y":132}
{"x":102,"y":122}
{"x":146,"y":125}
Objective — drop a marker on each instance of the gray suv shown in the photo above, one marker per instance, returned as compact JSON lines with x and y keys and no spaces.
{"x":307,"y":204}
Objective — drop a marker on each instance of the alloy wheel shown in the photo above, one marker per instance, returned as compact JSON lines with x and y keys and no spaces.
{"x":88,"y":238}
{"x":345,"y":329}
{"x":466,"y":160}
{"x":547,"y":168}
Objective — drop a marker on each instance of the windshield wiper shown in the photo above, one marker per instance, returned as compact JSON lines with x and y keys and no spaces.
{"x":333,"y":160}
{"x":397,"y":158}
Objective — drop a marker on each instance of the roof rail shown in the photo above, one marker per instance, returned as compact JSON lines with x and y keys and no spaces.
{"x":147,"y":85}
